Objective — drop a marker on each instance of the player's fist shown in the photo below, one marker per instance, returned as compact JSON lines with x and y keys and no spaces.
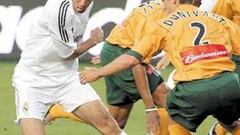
{"x":97,"y":35}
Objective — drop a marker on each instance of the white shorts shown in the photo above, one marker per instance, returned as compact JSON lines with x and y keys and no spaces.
{"x":33,"y":101}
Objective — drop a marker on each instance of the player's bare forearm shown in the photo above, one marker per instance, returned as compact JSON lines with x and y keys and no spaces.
{"x":152,"y":117}
{"x":95,"y":38}
{"x":141,"y":80}
{"x":121,"y":63}
{"x":82,"y":48}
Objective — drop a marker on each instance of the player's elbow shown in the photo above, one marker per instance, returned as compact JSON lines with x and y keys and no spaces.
{"x":130,"y":61}
{"x":73,"y":56}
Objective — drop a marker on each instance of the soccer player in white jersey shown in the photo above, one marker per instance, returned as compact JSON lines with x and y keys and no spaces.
{"x":47,"y":72}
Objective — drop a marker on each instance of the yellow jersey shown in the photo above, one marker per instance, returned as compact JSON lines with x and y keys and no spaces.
{"x":229,"y":9}
{"x":135,"y":25}
{"x":198,"y":43}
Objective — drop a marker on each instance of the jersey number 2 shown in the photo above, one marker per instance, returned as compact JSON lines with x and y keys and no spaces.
{"x":200,"y":34}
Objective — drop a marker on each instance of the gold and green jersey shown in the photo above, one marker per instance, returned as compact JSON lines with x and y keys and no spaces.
{"x":229,"y":9}
{"x":135,"y":25}
{"x":198,"y":43}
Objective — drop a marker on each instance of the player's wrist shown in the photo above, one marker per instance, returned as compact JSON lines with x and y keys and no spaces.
{"x":99,"y":73}
{"x":151,"y":109}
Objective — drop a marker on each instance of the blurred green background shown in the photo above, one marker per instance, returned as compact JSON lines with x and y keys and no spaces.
{"x":135,"y":126}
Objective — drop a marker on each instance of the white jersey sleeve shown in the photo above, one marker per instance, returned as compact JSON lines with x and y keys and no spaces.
{"x":59,"y":19}
{"x":207,"y":5}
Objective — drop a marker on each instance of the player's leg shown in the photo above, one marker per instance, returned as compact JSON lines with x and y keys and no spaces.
{"x":229,"y":114}
{"x":30,"y":106}
{"x":119,"y":87}
{"x":31,"y":126}
{"x":119,"y":101}
{"x":168,"y":126}
{"x":120,"y":113}
{"x":188,"y":103}
{"x":84,"y":103}
{"x":57,"y":111}
{"x":97,"y":115}
{"x":160,"y":95}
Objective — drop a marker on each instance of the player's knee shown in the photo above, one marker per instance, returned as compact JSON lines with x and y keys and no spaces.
{"x":107,"y":121}
{"x":121,"y":120}
{"x":121,"y":123}
{"x":160,"y":95}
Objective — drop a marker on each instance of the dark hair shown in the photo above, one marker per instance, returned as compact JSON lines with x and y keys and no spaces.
{"x":193,"y":2}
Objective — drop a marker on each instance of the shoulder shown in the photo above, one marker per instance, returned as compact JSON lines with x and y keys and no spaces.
{"x":58,"y":5}
{"x":148,"y":8}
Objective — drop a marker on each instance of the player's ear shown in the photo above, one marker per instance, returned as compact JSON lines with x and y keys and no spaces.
{"x":175,"y":1}
{"x":196,"y":3}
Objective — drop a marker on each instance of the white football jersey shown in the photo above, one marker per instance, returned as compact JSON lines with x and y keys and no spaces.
{"x":52,"y":38}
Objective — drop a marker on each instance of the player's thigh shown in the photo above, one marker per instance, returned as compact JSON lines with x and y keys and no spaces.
{"x":30,"y":102}
{"x":160,"y":94}
{"x":76,"y":94}
{"x":31,"y":126}
{"x":189,"y":103}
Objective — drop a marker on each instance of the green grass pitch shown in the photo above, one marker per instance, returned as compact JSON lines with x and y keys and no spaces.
{"x":135,"y":126}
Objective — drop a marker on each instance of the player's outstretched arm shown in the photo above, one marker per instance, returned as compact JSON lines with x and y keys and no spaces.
{"x":121,"y":63}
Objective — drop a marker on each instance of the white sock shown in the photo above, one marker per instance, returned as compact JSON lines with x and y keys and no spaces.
{"x":123,"y":133}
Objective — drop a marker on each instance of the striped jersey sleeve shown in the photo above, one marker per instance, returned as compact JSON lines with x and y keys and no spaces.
{"x":62,"y":13}
{"x":59,"y":17}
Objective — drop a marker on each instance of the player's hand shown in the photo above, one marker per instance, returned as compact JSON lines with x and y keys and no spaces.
{"x":153,"y":123}
{"x":163,"y":63}
{"x":97,"y":35}
{"x":90,"y":74}
{"x":95,"y":59}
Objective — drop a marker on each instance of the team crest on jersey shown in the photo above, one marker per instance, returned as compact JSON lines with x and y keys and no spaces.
{"x":203,"y":52}
{"x":25,"y":107}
